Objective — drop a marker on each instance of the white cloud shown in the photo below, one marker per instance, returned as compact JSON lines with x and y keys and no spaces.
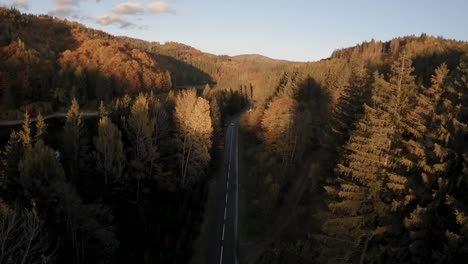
{"x":64,"y":11}
{"x":106,"y":20}
{"x":68,"y":2}
{"x":67,"y":9}
{"x":160,"y":8}
{"x":21,"y":4}
{"x":65,"y":2}
{"x":128,"y":8}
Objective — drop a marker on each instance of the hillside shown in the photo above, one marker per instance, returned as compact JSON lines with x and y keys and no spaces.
{"x":110,"y":163}
{"x":58,"y":60}
{"x":361,"y":158}
{"x":50,"y":60}
{"x":225,"y":71}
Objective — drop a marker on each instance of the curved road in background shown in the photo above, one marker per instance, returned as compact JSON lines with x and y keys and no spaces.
{"x":6,"y":123}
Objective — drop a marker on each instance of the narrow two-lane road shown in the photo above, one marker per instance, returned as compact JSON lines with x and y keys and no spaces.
{"x":224,"y":235}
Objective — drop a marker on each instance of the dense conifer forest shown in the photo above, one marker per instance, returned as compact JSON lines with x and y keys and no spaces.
{"x":362,"y":158}
{"x":357,"y":158}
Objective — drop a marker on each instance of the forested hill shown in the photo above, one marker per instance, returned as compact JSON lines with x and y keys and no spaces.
{"x":217,"y":67}
{"x":45,"y":59}
{"x":361,"y":158}
{"x":119,"y":173}
{"x":358,"y":158}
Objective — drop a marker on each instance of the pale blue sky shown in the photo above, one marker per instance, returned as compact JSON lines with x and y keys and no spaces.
{"x":290,"y":29}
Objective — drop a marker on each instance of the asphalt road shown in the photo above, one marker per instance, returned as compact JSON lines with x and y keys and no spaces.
{"x":5,"y":123}
{"x":223,"y":237}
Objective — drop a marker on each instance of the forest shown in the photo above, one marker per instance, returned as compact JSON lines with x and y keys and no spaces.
{"x":361,"y":158}
{"x":357,"y":158}
{"x":125,"y":183}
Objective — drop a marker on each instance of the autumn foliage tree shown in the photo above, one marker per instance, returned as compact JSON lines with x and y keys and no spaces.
{"x":194,"y":135}
{"x":110,"y":156}
{"x":141,"y":129}
{"x":72,"y":140}
{"x":279,"y":125}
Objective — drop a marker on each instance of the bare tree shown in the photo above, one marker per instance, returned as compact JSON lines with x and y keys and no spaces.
{"x":23,"y":237}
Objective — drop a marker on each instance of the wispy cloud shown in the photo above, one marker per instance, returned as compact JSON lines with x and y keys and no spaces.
{"x":110,"y":19}
{"x":128,"y":8}
{"x":72,"y":9}
{"x":65,"y":2}
{"x":65,"y":11}
{"x":160,"y":8}
{"x":68,"y":2}
{"x":21,"y":4}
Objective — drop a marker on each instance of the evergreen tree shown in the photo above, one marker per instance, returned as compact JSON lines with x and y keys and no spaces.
{"x":349,"y":107}
{"x":370,"y":193}
{"x":436,"y":159}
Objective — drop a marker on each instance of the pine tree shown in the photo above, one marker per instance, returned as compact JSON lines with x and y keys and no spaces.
{"x":359,"y":210}
{"x":370,"y":192}
{"x":436,"y":158}
{"x":349,"y":107}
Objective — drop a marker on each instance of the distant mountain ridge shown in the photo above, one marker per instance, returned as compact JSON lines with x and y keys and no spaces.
{"x":59,"y":59}
{"x":46,"y":59}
